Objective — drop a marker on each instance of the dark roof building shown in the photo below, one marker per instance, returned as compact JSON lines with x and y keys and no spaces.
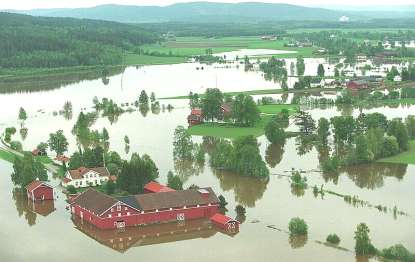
{"x":95,"y":201}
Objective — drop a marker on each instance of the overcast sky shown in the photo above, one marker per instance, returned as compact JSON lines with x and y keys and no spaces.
{"x":30,"y":4}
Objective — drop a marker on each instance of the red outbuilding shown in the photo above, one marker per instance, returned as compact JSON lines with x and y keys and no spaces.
{"x":195,"y":117}
{"x":154,"y":187}
{"x":226,"y":223}
{"x":357,"y":85}
{"x":38,"y":190}
{"x":107,"y":212}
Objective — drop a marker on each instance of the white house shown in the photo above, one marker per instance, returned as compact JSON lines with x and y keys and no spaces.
{"x":85,"y":177}
{"x":397,"y":79}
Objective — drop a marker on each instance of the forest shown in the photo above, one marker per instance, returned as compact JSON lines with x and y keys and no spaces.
{"x":59,"y":42}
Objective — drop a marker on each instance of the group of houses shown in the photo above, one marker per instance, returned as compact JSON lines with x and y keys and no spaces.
{"x":196,"y":114}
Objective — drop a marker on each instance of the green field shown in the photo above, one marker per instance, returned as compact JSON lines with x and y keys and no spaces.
{"x":407,"y":157}
{"x":133,"y":59}
{"x":191,"y":46}
{"x":265,"y":92}
{"x":7,"y":156}
{"x":228,"y":130}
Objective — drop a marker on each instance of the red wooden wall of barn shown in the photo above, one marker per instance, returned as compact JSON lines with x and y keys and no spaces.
{"x":42,"y":192}
{"x":138,"y":218}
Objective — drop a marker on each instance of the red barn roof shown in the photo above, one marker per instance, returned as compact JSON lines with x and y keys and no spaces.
{"x":156,"y":187}
{"x":61,"y":158}
{"x":35,"y":184}
{"x":222,"y":219}
{"x":94,"y":201}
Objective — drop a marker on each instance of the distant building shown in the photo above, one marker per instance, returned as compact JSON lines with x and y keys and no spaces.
{"x":344,"y":19}
{"x":397,"y":79}
{"x":226,"y":109}
{"x":357,"y":85}
{"x":107,"y":212}
{"x":269,"y":38}
{"x":85,"y":177}
{"x":195,"y":117}
{"x":39,"y":190}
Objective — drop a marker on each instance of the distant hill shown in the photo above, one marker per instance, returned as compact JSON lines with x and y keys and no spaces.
{"x":195,"y":12}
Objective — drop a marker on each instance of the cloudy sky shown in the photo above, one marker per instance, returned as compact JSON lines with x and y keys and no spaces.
{"x":30,"y":4}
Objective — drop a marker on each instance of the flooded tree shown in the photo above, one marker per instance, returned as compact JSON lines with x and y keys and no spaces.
{"x":174,"y":182}
{"x":363,"y":244}
{"x":58,"y":142}
{"x":274,"y":154}
{"x":300,"y":66}
{"x":27,"y":169}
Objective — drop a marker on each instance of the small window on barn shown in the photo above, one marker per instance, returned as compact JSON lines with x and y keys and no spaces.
{"x":112,"y":209}
{"x":126,"y":208}
{"x":119,"y":214}
{"x":118,"y":207}
{"x":109,"y":216}
{"x":128,"y":213}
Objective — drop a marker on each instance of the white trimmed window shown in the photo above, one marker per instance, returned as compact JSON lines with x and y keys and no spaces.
{"x":109,"y":216}
{"x":118,"y":208}
{"x":119,"y":214}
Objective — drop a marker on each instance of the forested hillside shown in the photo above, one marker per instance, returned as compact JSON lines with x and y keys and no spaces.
{"x":28,"y":41}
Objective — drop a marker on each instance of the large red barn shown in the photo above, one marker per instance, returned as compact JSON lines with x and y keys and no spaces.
{"x":38,"y":190}
{"x":107,"y":212}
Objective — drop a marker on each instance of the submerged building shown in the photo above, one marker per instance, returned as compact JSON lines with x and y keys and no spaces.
{"x":106,"y":212}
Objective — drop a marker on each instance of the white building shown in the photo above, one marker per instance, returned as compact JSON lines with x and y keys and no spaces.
{"x":397,"y":79}
{"x":85,"y":177}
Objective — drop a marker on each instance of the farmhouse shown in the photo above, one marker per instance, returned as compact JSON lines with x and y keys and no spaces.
{"x":225,"y":223}
{"x":357,"y":85}
{"x":106,"y":212}
{"x":154,"y":187}
{"x":38,"y":190}
{"x":85,"y":177}
{"x":195,"y":117}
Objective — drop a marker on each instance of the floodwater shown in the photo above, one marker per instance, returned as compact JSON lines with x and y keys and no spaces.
{"x":53,"y":235}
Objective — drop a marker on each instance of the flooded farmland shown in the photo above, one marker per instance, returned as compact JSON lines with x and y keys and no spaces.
{"x":270,"y":204}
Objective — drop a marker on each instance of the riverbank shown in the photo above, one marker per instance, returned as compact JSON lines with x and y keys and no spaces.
{"x":229,"y":130}
{"x":407,"y":157}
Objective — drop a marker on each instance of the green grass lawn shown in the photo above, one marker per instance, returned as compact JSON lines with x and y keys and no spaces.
{"x":191,"y":46}
{"x":227,"y":130}
{"x":133,"y":59}
{"x":407,"y":157}
{"x":7,"y":156}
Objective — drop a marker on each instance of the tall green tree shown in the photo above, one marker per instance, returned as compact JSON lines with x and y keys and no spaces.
{"x":183,"y":145}
{"x":300,"y":66}
{"x":320,"y":70}
{"x":363,"y":244}
{"x":274,"y":132}
{"x":143,"y":99}
{"x":398,"y":129}
{"x":245,"y":111}
{"x":174,"y":182}
{"x":58,"y":142}
{"x":22,"y":114}
{"x":305,"y":122}
{"x":27,"y":169}
{"x":211,"y":104}
{"x":323,"y":130}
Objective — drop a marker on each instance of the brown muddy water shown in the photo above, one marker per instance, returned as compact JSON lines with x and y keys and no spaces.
{"x":46,"y":232}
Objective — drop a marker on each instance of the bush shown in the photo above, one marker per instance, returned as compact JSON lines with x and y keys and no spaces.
{"x":331,"y":165}
{"x":16,"y":145}
{"x":71,"y":189}
{"x":274,"y":132}
{"x":240,"y":210}
{"x":298,"y":181}
{"x":222,"y":201}
{"x":297,"y":226}
{"x":333,"y":239}
{"x":398,"y":252}
{"x":363,"y":245}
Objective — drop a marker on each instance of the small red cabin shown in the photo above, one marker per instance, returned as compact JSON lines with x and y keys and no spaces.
{"x":38,"y":190}
{"x":154,"y":187}
{"x":357,"y":85}
{"x":195,"y":117}
{"x":226,"y":223}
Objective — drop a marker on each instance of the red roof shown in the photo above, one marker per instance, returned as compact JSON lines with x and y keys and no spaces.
{"x":66,"y":180}
{"x":196,"y":111}
{"x":221,"y":219}
{"x":62,"y":159}
{"x":35,"y":184}
{"x":156,"y":187}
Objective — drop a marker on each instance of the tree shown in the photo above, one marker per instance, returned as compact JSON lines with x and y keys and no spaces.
{"x":222,"y":202}
{"x":398,"y":129}
{"x":247,"y":160}
{"x":363,"y":244}
{"x":297,"y":226}
{"x":183,"y":144}
{"x":110,"y":187}
{"x":71,"y":189}
{"x":22,"y":114}
{"x":410,"y":126}
{"x":245,"y":111}
{"x":343,"y":128}
{"x":211,"y":104}
{"x":305,"y":122}
{"x":152,"y":97}
{"x":274,"y":132}
{"x":76,"y":161}
{"x":300,"y":66}
{"x":143,"y":99}
{"x":333,"y":239}
{"x":174,"y":182}
{"x":320,"y":70}
{"x":336,"y":72}
{"x":323,"y":130}
{"x":27,"y":169}
{"x":58,"y":143}
{"x":390,"y":146}
{"x":362,"y":154}
{"x":105,"y":135}
{"x":16,"y":145}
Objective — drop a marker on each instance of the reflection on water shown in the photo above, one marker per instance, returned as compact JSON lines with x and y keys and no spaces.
{"x":371,"y":176}
{"x":51,"y":82}
{"x":122,"y":240}
{"x":247,"y":190}
{"x":274,"y":154}
{"x":297,"y":241}
{"x":30,"y":209}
